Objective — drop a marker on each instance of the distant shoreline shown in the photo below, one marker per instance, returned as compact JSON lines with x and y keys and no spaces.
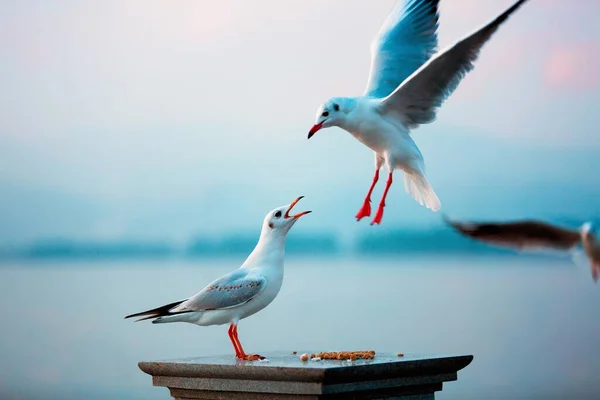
{"x":391,"y":243}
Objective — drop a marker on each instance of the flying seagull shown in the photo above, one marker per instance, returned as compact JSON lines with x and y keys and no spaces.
{"x":524,"y":235}
{"x":240,"y":293}
{"x":407,"y":84}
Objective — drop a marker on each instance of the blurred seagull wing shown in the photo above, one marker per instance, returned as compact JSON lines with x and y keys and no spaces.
{"x":520,"y":235}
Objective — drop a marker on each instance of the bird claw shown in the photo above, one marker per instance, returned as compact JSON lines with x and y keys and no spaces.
{"x":365,"y":210}
{"x":378,"y":216}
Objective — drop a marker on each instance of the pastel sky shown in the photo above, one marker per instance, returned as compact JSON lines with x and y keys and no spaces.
{"x":166,"y":118}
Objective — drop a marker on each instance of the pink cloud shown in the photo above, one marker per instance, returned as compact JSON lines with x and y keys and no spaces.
{"x":574,"y":67}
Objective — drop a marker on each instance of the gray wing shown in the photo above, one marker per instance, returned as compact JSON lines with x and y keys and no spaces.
{"x":407,"y":39}
{"x":231,"y":290}
{"x":417,"y":99}
{"x":520,"y":235}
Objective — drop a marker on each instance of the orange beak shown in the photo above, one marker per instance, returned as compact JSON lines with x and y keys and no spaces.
{"x":287,"y":213}
{"x":315,"y":128}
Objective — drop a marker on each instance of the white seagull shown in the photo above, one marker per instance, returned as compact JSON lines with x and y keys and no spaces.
{"x":241,"y":293}
{"x":407,"y":84}
{"x":525,"y":235}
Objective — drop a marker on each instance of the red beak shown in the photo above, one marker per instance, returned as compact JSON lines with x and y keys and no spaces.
{"x":287,"y":213}
{"x":315,"y":128}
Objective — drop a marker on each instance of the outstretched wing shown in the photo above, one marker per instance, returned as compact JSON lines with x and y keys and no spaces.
{"x":520,"y":235}
{"x":418,"y":98}
{"x":231,"y":290}
{"x":407,"y":39}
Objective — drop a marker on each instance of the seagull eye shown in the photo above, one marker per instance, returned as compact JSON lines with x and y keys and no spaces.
{"x":336,"y":107}
{"x":325,"y":113}
{"x":277,"y":214}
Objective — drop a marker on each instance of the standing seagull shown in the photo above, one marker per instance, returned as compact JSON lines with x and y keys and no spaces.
{"x":407,"y":84}
{"x":534,"y":234}
{"x":240,"y":293}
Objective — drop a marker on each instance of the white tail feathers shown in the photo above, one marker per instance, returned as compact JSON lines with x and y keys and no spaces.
{"x":417,"y":186}
{"x":183,"y":317}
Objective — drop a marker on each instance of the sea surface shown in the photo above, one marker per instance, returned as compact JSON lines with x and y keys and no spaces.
{"x":533,"y":324}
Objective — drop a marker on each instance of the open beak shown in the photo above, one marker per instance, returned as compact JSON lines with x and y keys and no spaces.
{"x":315,"y":128}
{"x":287,"y":213}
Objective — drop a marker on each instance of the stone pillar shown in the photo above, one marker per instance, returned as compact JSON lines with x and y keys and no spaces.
{"x":286,"y":377}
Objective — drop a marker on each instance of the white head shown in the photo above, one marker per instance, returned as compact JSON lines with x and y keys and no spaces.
{"x":331,"y":113}
{"x":279,"y":221}
{"x":588,"y":230}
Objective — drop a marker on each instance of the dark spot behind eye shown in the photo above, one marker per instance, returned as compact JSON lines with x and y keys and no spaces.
{"x":336,"y":107}
{"x":277,"y":214}
{"x":325,"y":113}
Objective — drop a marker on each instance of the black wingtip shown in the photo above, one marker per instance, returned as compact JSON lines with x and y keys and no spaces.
{"x":431,"y":7}
{"x":504,"y":16}
{"x":155,"y":312}
{"x":138,"y":314}
{"x":146,"y":318}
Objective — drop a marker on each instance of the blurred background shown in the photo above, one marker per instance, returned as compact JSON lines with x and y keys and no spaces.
{"x":142,"y":143}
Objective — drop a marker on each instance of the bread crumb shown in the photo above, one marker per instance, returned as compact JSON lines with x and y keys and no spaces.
{"x":346,"y":355}
{"x":294,"y":352}
{"x":304,"y":357}
{"x":400,"y":354}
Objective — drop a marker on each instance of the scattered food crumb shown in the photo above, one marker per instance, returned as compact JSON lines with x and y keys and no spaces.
{"x":340,"y":355}
{"x":346,"y":355}
{"x":400,"y":354}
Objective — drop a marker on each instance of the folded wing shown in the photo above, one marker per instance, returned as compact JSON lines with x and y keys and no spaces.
{"x":231,"y":290}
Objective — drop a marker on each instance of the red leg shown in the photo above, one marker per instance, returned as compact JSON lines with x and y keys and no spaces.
{"x":379,"y":215}
{"x":365,"y":210}
{"x":233,"y":341}
{"x":242,"y":355}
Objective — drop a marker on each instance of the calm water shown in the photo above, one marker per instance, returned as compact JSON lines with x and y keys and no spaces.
{"x":533,"y":325}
